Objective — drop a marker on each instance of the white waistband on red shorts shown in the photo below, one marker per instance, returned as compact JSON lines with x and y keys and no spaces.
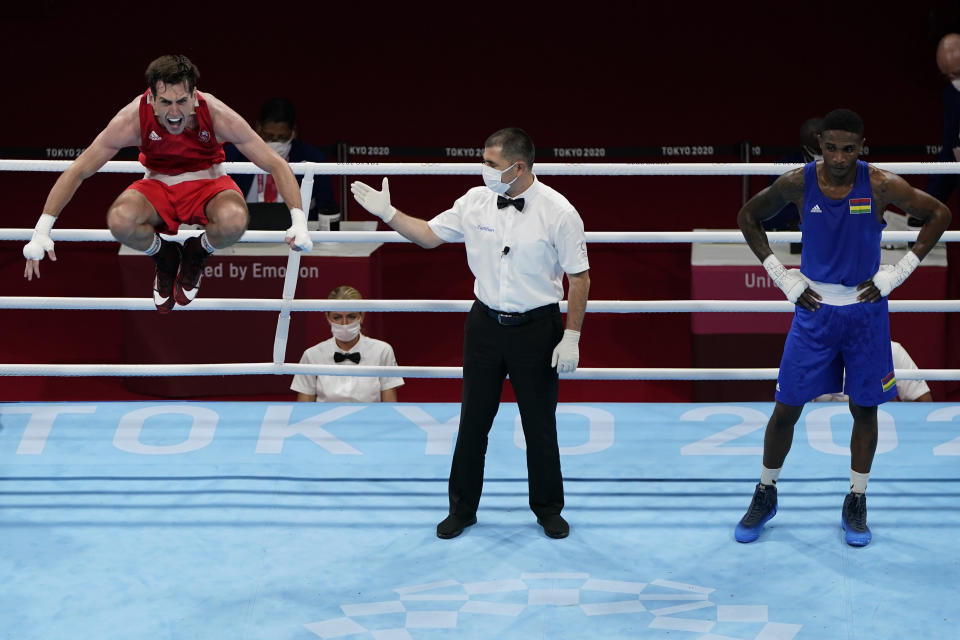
{"x":214,"y":172}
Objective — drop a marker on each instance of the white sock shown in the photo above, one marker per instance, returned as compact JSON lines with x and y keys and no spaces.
{"x":769,"y":476}
{"x":155,"y":246}
{"x":206,"y":243}
{"x":858,"y":481}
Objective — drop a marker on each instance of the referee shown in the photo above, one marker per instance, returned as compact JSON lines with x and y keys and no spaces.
{"x":521,"y":237}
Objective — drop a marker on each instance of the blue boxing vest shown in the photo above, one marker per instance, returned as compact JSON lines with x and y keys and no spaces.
{"x":841,"y":238}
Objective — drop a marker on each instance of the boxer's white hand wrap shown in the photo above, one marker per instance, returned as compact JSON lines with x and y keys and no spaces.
{"x":566,"y":355}
{"x":41,"y":242}
{"x":298,"y":231}
{"x":376,"y":202}
{"x":790,"y":281}
{"x":889,"y":277}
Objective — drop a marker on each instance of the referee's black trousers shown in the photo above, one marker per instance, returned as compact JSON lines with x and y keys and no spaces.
{"x":490,"y":352}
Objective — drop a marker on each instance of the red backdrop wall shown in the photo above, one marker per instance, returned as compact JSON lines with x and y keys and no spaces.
{"x":614,"y":74}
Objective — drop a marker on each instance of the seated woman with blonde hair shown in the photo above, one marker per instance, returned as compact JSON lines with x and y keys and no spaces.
{"x":347,"y":347}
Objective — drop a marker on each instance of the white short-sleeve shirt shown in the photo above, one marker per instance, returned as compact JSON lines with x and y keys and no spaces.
{"x":907,"y":390}
{"x":545,"y":241}
{"x":372,"y":352}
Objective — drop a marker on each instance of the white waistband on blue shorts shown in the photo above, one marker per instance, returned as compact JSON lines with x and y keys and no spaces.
{"x":836,"y":295}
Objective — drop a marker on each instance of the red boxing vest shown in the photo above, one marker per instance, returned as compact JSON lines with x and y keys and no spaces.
{"x":192,"y":150}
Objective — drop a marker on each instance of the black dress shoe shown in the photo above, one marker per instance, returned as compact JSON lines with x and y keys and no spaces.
{"x":453,"y":525}
{"x":554,"y":526}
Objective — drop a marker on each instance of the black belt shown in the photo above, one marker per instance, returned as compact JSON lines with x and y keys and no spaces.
{"x":514,"y":319}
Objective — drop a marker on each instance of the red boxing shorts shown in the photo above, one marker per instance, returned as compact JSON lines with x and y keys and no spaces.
{"x":182,"y":203}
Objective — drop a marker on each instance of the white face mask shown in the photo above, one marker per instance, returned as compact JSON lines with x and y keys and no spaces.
{"x":281,"y":147}
{"x":956,"y":83}
{"x":345,"y":332}
{"x":492,"y":178}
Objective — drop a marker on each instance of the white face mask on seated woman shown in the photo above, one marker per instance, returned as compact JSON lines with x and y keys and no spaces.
{"x":345,"y":332}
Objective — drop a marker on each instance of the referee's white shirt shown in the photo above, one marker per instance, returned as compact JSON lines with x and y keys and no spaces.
{"x":546,"y":240}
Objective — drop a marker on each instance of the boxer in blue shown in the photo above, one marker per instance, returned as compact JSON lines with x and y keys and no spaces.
{"x":840,"y":290}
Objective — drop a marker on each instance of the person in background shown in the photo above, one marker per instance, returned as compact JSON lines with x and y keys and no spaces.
{"x":948,"y":61}
{"x":347,"y":347}
{"x":907,"y":390}
{"x":788,"y":218}
{"x":942,"y":186}
{"x":278,"y":127}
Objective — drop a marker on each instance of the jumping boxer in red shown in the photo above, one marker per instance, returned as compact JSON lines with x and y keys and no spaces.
{"x":180,"y":133}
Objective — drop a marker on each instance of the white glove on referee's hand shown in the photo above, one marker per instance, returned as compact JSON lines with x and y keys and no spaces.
{"x":376,"y":202}
{"x":566,"y":355}
{"x":40,"y":244}
{"x":790,"y":281}
{"x":889,"y":277}
{"x":298,"y":236}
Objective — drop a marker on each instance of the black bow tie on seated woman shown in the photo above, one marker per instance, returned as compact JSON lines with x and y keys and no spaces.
{"x":506,"y":202}
{"x":340,"y":357}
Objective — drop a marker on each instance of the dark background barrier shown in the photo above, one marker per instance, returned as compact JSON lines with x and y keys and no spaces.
{"x":667,"y":84}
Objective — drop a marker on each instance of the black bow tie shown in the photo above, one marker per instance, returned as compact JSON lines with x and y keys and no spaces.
{"x":340,"y":357}
{"x":506,"y":202}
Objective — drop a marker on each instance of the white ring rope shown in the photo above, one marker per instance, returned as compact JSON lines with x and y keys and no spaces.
{"x":288,"y":304}
{"x":473,"y":168}
{"x":267,"y":368}
{"x":442,"y":306}
{"x":604,"y":237}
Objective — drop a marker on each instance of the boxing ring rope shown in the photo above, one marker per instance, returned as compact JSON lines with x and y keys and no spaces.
{"x":621,"y":237}
{"x":473,"y":168}
{"x":266,"y":368}
{"x":288,"y":304}
{"x":440,"y":306}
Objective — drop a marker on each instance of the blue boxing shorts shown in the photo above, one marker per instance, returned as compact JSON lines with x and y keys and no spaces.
{"x":822,"y":343}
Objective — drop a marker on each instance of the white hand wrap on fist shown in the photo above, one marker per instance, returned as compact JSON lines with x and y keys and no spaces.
{"x":566,"y":355}
{"x":790,"y":281}
{"x":298,"y":231}
{"x":376,"y":202}
{"x":41,"y":242}
{"x":889,"y":277}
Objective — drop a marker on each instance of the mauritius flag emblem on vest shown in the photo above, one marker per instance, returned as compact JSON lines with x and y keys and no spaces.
{"x":859,"y":205}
